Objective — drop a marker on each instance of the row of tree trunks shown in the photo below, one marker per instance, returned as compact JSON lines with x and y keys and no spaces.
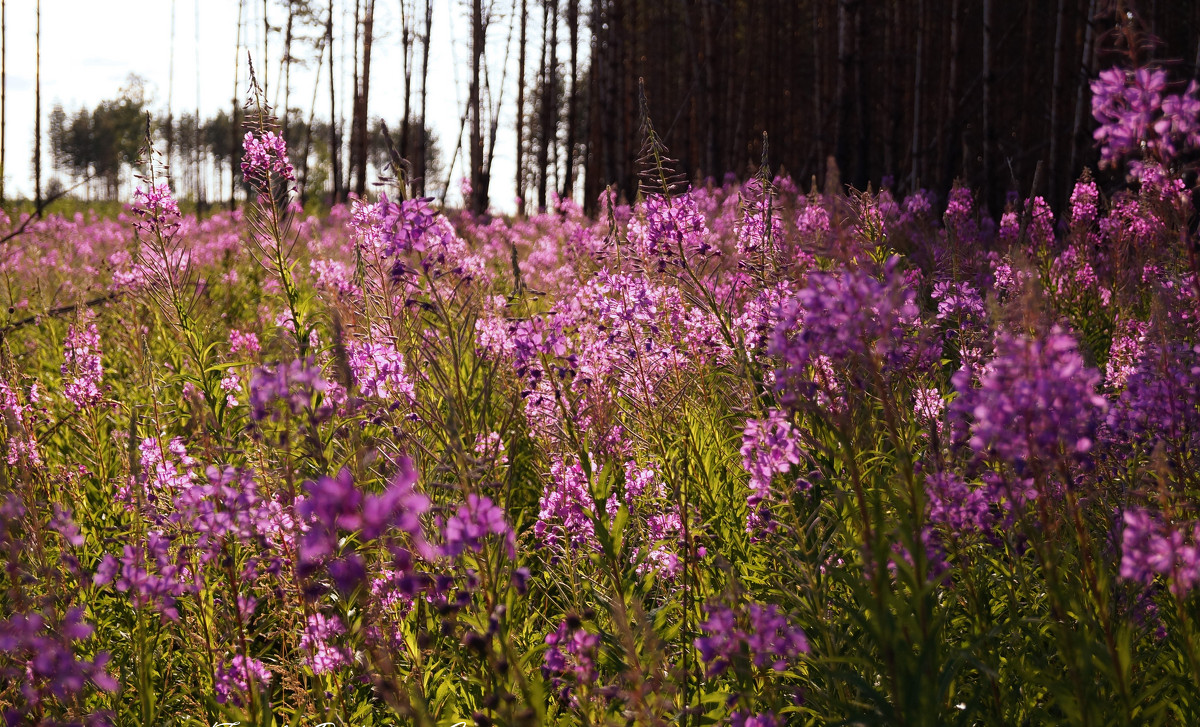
{"x":919,"y":93}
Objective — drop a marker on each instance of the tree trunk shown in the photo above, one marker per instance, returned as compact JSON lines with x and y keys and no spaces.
{"x":169,"y":132}
{"x":478,"y":201}
{"x":233,"y":115}
{"x":424,"y":95}
{"x":37,"y":119}
{"x":3,"y":88}
{"x":710,"y":90}
{"x":861,"y":101}
{"x":1086,"y":62}
{"x":893,"y":37}
{"x":987,"y":102}
{"x":265,"y":65}
{"x":568,"y":189}
{"x":521,"y":109}
{"x":356,"y":82}
{"x":1055,"y":94}
{"x":406,"y":57}
{"x":201,"y":203}
{"x":549,"y":121}
{"x":287,"y":67}
{"x":308,"y":127}
{"x":817,"y":106}
{"x":360,"y":180}
{"x":916,"y":125}
{"x":543,"y":159}
{"x":334,"y":144}
{"x":842,"y":145}
{"x":951,"y":98}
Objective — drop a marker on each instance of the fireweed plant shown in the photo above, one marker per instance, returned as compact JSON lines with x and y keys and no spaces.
{"x":730,"y":454}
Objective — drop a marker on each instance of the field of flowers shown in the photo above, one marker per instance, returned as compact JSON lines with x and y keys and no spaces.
{"x":742,"y":454}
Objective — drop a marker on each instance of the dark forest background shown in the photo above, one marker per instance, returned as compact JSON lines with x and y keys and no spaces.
{"x":914,"y":93}
{"x":923,"y":91}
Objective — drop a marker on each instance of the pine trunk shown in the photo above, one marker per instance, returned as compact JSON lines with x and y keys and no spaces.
{"x":1055,"y":95}
{"x":521,"y":109}
{"x":234,"y":106}
{"x":424,"y":94}
{"x":287,"y":67}
{"x":3,"y":88}
{"x":987,"y":102}
{"x":360,"y":180}
{"x":568,"y":189}
{"x":333,"y":134}
{"x":478,"y":201}
{"x":550,"y":108}
{"x":37,"y":120}
{"x":265,"y":64}
{"x":406,"y":58}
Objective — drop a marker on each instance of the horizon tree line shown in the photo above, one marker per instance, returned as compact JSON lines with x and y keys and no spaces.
{"x":917,"y":94}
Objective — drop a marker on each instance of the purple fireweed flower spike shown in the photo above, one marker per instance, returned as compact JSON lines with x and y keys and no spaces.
{"x":1036,"y":400}
{"x":319,"y":640}
{"x":81,"y":366}
{"x":264,"y":156}
{"x":234,"y":678}
{"x":294,"y":384}
{"x":569,"y":660}
{"x":474,"y":520}
{"x":770,"y":446}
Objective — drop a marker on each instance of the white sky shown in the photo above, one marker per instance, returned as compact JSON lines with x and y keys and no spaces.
{"x":89,"y":48}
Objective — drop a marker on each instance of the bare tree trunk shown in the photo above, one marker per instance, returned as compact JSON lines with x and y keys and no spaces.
{"x":862,"y":105}
{"x":916,"y":128}
{"x":987,"y":102}
{"x":817,"y":109}
{"x":201,"y":203}
{"x":710,"y":89}
{"x":1084,"y":72}
{"x":3,"y":87}
{"x":549,"y":118}
{"x":233,"y":117}
{"x":623,"y":98}
{"x":951,"y":98}
{"x":37,"y":122}
{"x":552,"y":136}
{"x":478,"y":201}
{"x":170,"y":130}
{"x":287,"y":66}
{"x":596,"y":136}
{"x":352,"y":152}
{"x":308,"y":127}
{"x":360,"y":180}
{"x":1033,"y":61}
{"x":521,"y":109}
{"x":568,"y":189}
{"x":265,"y":65}
{"x":406,"y":57}
{"x":1055,"y":94}
{"x":842,"y":94}
{"x":494,"y":108}
{"x":333,"y":117}
{"x":424,"y":94}
{"x":893,"y":36}
{"x":543,"y":158}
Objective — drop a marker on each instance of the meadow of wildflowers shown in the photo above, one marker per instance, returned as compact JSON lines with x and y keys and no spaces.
{"x":740,"y":454}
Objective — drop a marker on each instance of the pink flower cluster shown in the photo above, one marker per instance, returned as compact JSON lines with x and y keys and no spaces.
{"x":266,"y":156}
{"x":1136,"y":115}
{"x":82,"y":366}
{"x":156,"y":209}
